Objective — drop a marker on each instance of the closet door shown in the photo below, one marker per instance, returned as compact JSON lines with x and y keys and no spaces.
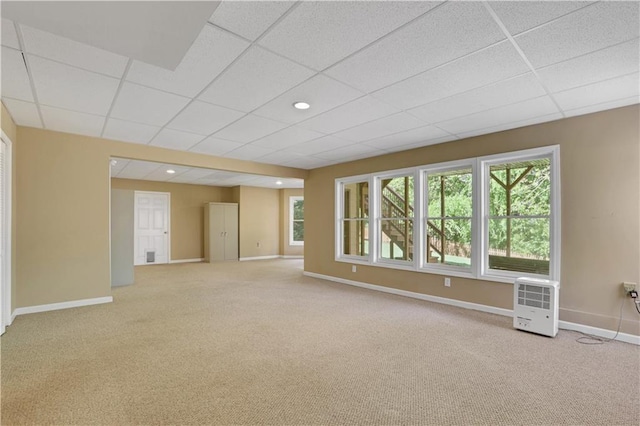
{"x":216,"y":233}
{"x":231,"y":232}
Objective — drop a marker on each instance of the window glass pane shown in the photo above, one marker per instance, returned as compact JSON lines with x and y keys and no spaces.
{"x":356,"y":199}
{"x":397,"y":197}
{"x":355,"y":240}
{"x":520,"y":245}
{"x":521,"y":188}
{"x":450,"y":193}
{"x":449,"y":242}
{"x":393,"y":243}
{"x":298,"y":231}
{"x":298,"y":209}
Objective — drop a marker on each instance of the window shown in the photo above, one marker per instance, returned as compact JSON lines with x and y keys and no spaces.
{"x":494,"y":217}
{"x":449,"y":217}
{"x":354,"y":219}
{"x":395,"y":224}
{"x":296,"y":221}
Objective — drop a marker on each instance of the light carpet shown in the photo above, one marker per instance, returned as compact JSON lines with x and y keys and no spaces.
{"x":258,"y":343}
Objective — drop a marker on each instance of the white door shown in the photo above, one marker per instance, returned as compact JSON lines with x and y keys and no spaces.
{"x":151,"y":233}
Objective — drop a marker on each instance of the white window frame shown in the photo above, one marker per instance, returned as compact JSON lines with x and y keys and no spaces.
{"x":292,"y":201}
{"x":479,"y":234}
{"x":438,"y":268}
{"x":553,"y":154}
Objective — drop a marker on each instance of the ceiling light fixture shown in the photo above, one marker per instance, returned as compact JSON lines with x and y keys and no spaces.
{"x":278,"y":182}
{"x":301,"y":105}
{"x":114,"y":162}
{"x":171,"y":171}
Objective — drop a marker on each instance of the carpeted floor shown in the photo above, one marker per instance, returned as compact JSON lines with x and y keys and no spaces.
{"x":258,"y":343}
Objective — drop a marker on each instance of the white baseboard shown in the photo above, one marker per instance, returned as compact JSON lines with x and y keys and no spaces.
{"x":61,"y":305}
{"x":187,"y":260}
{"x":565,"y":325}
{"x":243,"y":259}
{"x":292,"y":257}
{"x":13,"y":316}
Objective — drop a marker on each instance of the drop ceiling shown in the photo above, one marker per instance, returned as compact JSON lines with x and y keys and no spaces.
{"x":380,"y":77}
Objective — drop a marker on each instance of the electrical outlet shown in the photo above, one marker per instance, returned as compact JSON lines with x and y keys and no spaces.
{"x":447,"y":282}
{"x":353,"y":268}
{"x":258,"y":244}
{"x":628,"y":287}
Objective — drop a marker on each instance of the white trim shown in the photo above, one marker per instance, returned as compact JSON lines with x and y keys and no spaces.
{"x":187,"y":260}
{"x":135,"y":226}
{"x":6,"y":318}
{"x":565,"y":325}
{"x":291,"y":257}
{"x":292,"y":201}
{"x":275,"y":256}
{"x":62,"y":305}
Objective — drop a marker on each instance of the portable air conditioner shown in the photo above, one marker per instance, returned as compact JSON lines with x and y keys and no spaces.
{"x":535,"y":306}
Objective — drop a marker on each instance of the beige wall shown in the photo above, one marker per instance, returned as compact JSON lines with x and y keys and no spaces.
{"x":600,"y":216}
{"x":285,"y":248}
{"x":187,"y":210}
{"x":259,"y":221}
{"x":8,"y":126}
{"x":62,"y":202}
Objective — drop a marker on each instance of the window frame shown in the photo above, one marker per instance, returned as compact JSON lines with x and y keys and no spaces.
{"x":479,"y":223}
{"x":292,"y":220}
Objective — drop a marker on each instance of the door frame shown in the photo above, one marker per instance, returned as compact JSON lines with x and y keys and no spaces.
{"x":6,"y":317}
{"x":135,"y":225}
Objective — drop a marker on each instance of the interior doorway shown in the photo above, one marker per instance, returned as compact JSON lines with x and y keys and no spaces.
{"x":152,"y":228}
{"x":5,"y":232}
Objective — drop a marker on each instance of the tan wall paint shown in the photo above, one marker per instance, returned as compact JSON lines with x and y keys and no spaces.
{"x":187,"y":210}
{"x":9,"y":127}
{"x":62,"y":194}
{"x":285,"y":248}
{"x":259,"y":221}
{"x":600,"y":171}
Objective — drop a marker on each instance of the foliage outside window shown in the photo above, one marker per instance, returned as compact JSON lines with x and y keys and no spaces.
{"x":355,"y":219}
{"x":296,"y":215}
{"x":395,"y":236}
{"x":449,"y":218}
{"x":495,"y":217}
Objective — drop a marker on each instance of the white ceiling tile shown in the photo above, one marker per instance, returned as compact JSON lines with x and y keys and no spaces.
{"x":257,"y":77}
{"x":290,"y":136}
{"x":215,"y":146}
{"x":349,"y":115}
{"x":71,"y":52}
{"x":318,"y":34}
{"x":117,"y":164}
{"x":586,"y":30}
{"x":421,"y":135}
{"x":23,"y":113}
{"x":601,"y":65}
{"x":203,"y":118}
{"x":210,"y":53}
{"x":148,"y":106}
{"x":191,"y":174}
{"x":504,"y":115}
{"x":129,"y":132}
{"x":63,"y":120}
{"x":309,"y":162}
{"x":484,"y":67}
{"x":321,"y":92}
{"x":397,"y":148}
{"x":350,"y":152}
{"x":64,"y":86}
{"x":512,"y":125}
{"x":249,"y":128}
{"x":319,"y":145}
{"x":9,"y":37}
{"x":249,"y":19}
{"x":519,"y":16}
{"x":505,"y":92}
{"x":280,"y":157}
{"x":248,"y":152}
{"x":138,"y":169}
{"x":381,"y":127}
{"x":15,"y":79}
{"x":602,"y":107}
{"x":160,"y":174}
{"x":174,"y":139}
{"x":604,"y":91}
{"x":449,"y":32}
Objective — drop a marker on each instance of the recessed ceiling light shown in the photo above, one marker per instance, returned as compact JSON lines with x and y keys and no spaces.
{"x":301,"y":105}
{"x":278,"y":182}
{"x":114,"y":162}
{"x":171,"y":171}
